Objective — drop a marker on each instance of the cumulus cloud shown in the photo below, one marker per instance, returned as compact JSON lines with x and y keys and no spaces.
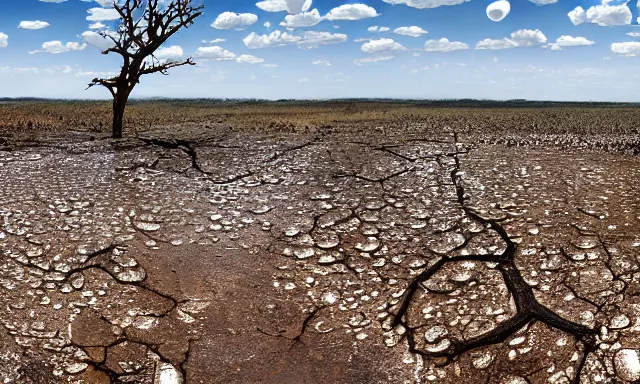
{"x":169,"y":53}
{"x":444,"y":45}
{"x":237,"y":21}
{"x":215,"y":53}
{"x":4,"y":40}
{"x":310,"y":39}
{"x":283,"y":6}
{"x":423,"y":4}
{"x":604,"y":15}
{"x":322,"y":62}
{"x":412,"y":31}
{"x":633,"y":34}
{"x":97,"y":40}
{"x":543,"y":2}
{"x":102,"y":14}
{"x":302,"y":20}
{"x":57,"y":47}
{"x":351,"y":12}
{"x":382,"y":45}
{"x":372,"y":59}
{"x":249,"y":59}
{"x":570,"y":41}
{"x":97,"y":25}
{"x":521,"y":38}
{"x":274,"y":39}
{"x":627,"y":48}
{"x":33,"y":25}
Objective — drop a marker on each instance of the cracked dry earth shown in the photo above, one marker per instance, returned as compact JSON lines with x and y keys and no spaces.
{"x":289,"y":259}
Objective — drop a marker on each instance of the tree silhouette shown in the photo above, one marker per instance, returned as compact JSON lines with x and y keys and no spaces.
{"x":145,"y":26}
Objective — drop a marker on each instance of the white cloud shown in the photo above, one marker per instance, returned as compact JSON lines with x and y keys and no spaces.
{"x":274,"y":39}
{"x":322,"y":62}
{"x":521,"y":38}
{"x":56,"y":47}
{"x":269,"y":65}
{"x":214,"y":41}
{"x":603,"y":15}
{"x":237,"y":21}
{"x":302,"y":20}
{"x":37,"y":24}
{"x":168,"y":53}
{"x":633,"y":34}
{"x":381,"y":45}
{"x":281,"y":6}
{"x":570,"y":41}
{"x":628,"y":48}
{"x":4,"y":40}
{"x":384,"y":29}
{"x":351,"y":12}
{"x":423,"y":4}
{"x":215,"y":53}
{"x":371,"y":59}
{"x":97,"y":40}
{"x":373,"y":29}
{"x":444,"y":45}
{"x":310,"y":39}
{"x":543,"y":2}
{"x":267,"y":25}
{"x":97,"y":25}
{"x":412,"y":31}
{"x":249,"y":59}
{"x":102,"y":14}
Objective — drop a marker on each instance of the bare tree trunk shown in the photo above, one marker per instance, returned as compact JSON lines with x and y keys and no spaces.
{"x":119,"y":105}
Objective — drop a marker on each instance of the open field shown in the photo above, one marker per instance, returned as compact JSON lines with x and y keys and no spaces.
{"x":338,"y":242}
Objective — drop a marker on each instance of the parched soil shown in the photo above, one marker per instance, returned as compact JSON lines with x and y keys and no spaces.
{"x":402,"y":253}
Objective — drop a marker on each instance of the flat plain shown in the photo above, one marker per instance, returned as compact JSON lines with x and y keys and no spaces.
{"x":320,"y":242}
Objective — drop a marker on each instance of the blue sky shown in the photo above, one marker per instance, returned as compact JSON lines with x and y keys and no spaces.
{"x":337,"y":53}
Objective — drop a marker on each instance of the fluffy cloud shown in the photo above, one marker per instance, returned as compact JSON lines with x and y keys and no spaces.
{"x":604,"y":15}
{"x":215,"y":53}
{"x":570,"y":41}
{"x":444,"y":45}
{"x":371,"y":59}
{"x":168,"y":53}
{"x":237,"y":21}
{"x":322,"y":62}
{"x":351,"y":12}
{"x":412,"y":31}
{"x":521,"y":38}
{"x":309,"y":39}
{"x":543,"y":2}
{"x":4,"y":40}
{"x":274,"y":39}
{"x":282,"y":6}
{"x":381,"y":45}
{"x":633,"y":34}
{"x":628,"y":48}
{"x":97,"y":25}
{"x":56,"y":47}
{"x":313,"y":39}
{"x":249,"y":59}
{"x":102,"y":14}
{"x":302,"y":20}
{"x":97,"y":40}
{"x":33,"y":24}
{"x":423,"y":4}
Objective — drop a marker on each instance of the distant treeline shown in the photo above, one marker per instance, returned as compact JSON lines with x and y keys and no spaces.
{"x":443,"y":103}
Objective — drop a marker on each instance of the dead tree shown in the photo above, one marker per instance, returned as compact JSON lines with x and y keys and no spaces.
{"x":144,"y":27}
